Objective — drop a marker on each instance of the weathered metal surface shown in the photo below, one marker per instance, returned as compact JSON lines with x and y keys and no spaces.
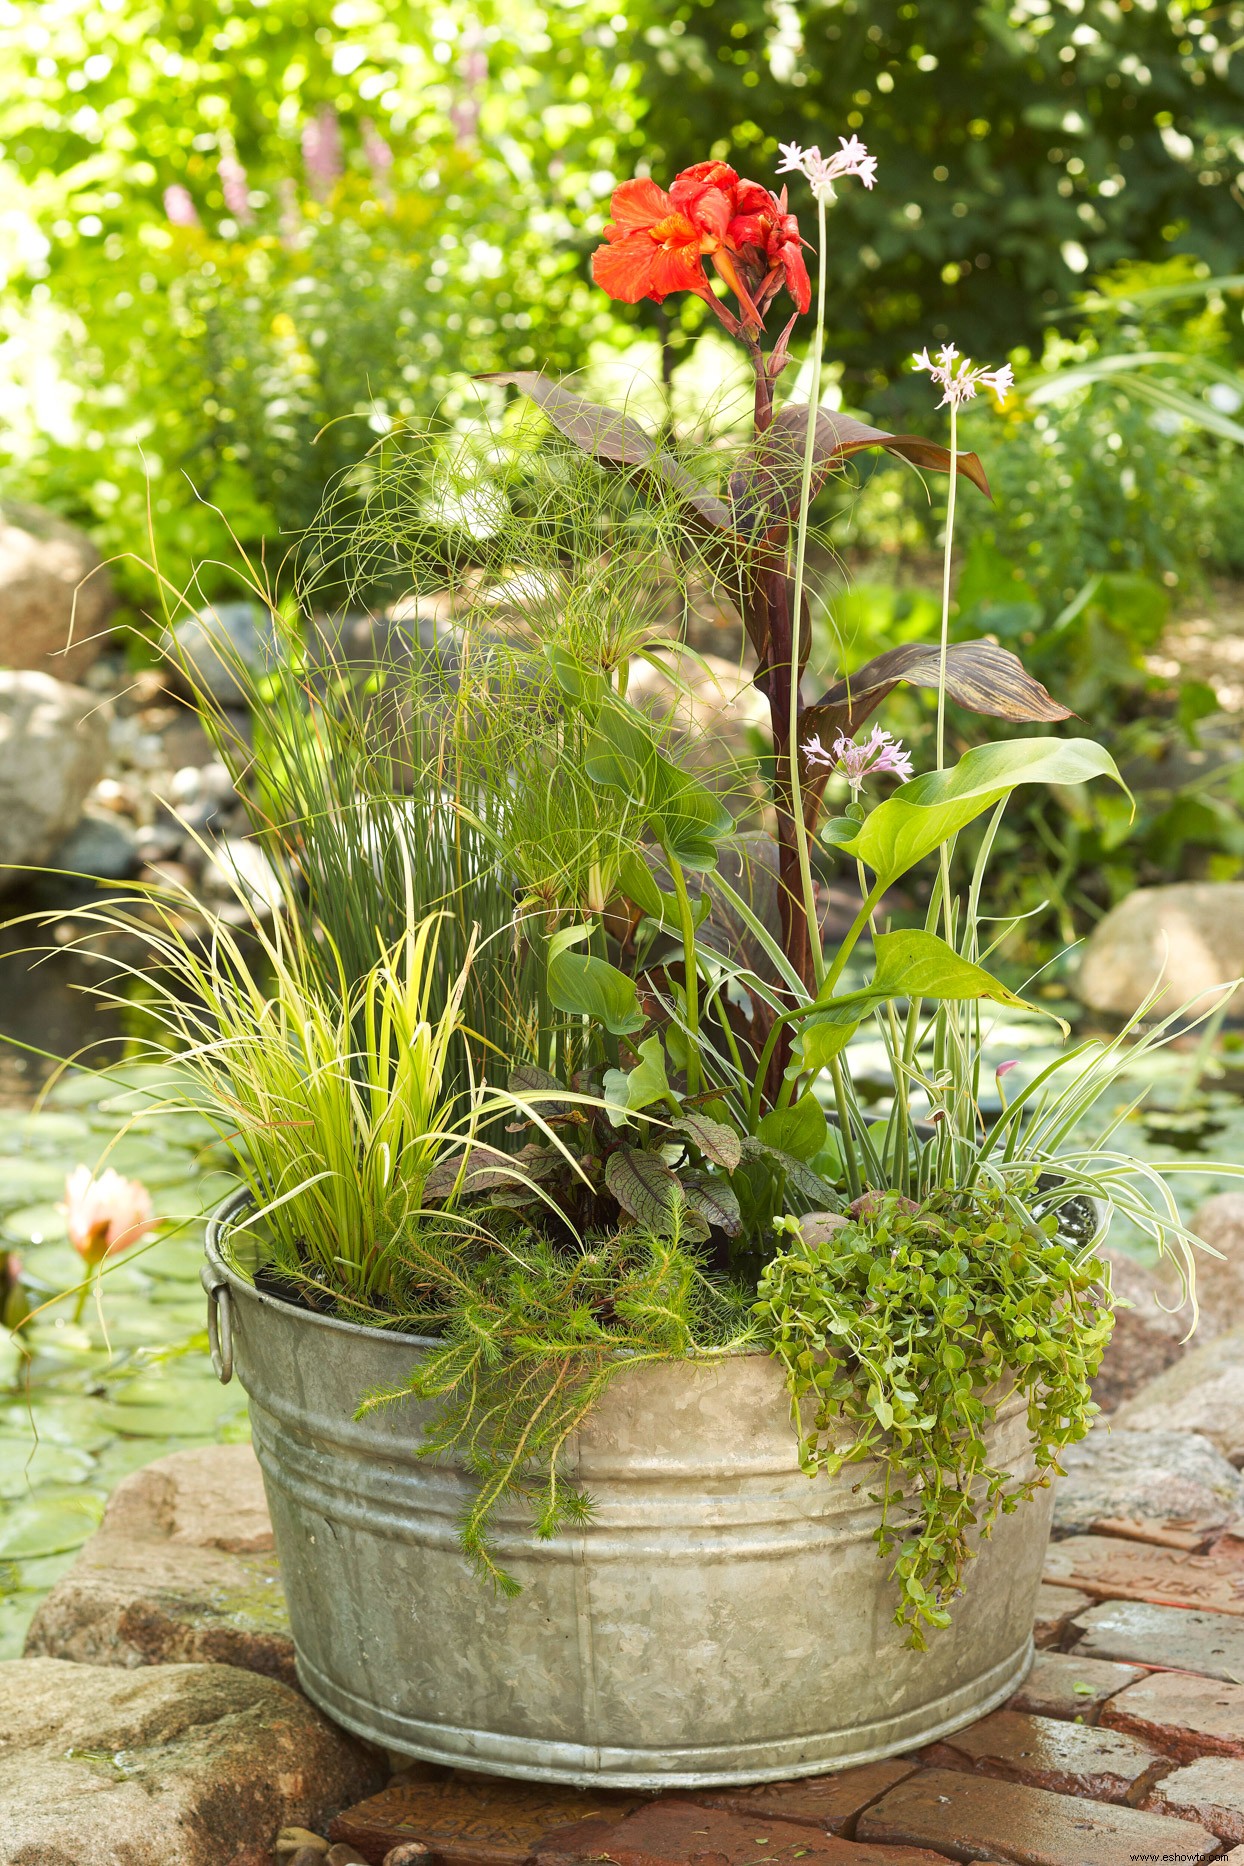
{"x":721,"y":1619}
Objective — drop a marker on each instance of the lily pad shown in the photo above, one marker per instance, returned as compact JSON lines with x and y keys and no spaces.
{"x":47,"y":1133}
{"x":26,"y":1471}
{"x":23,"y":1181}
{"x":34,"y":1224}
{"x":48,"y":1525}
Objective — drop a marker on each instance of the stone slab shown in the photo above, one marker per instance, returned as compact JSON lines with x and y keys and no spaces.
{"x":472,"y":1820}
{"x":827,"y":1802}
{"x":1176,"y":1637}
{"x":1202,"y":1392}
{"x":672,"y":1831}
{"x":181,"y":1569}
{"x":1048,"y":1752}
{"x":1161,"y":1482}
{"x":1111,"y":1568}
{"x":970,"y":1817}
{"x":196,"y":1765}
{"x":1056,"y":1608}
{"x":1182,"y":1715}
{"x":1062,"y":1685}
{"x":1210,"y":1791}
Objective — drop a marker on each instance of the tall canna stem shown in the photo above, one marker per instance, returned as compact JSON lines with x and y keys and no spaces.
{"x":801,"y":552}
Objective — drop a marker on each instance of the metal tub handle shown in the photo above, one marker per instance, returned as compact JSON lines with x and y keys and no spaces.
{"x":219,"y":1323}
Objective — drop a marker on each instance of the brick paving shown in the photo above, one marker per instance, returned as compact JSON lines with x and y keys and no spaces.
{"x":1124,"y":1745}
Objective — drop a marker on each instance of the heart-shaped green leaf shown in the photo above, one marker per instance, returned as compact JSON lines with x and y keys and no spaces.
{"x":931,"y":809}
{"x":911,"y":964}
{"x":800,"y":1129}
{"x":589,"y":987}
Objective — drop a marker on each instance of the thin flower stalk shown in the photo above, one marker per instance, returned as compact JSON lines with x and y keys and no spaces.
{"x":820,"y":174}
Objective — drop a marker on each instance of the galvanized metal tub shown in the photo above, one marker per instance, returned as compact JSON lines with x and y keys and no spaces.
{"x":721,"y":1619}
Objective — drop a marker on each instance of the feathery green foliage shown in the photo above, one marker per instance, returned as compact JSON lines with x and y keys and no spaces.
{"x":533,"y":1347}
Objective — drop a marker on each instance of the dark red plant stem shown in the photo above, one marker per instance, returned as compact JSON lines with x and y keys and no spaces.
{"x":771,"y":593}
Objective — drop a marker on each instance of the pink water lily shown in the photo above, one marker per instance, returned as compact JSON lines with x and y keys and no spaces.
{"x":105,"y":1215}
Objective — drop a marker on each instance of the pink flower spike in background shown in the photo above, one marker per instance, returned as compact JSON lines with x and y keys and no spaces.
{"x":880,"y":753}
{"x":321,"y":152}
{"x":959,"y":385}
{"x":105,"y":1215}
{"x":1004,"y":1069}
{"x":821,"y":172}
{"x":233,"y":187}
{"x":179,"y":207}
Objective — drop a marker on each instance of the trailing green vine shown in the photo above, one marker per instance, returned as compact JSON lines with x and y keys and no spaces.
{"x":903,"y":1334}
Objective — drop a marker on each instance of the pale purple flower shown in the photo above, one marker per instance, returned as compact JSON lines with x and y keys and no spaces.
{"x":179,"y":207}
{"x":321,"y":152}
{"x":959,"y":385}
{"x":821,"y":172}
{"x":1004,"y":1069}
{"x":234,"y":188}
{"x":881,"y":753}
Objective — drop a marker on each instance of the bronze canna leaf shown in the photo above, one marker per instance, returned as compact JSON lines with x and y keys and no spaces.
{"x":614,"y":439}
{"x":764,"y":487}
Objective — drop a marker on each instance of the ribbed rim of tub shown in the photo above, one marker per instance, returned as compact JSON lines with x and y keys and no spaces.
{"x":218,"y":1225}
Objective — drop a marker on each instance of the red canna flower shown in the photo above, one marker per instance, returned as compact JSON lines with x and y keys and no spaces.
{"x":767,"y":236}
{"x":657,"y":242}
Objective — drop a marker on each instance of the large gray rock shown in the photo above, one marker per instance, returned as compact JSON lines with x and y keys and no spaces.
{"x":1149,"y":1327}
{"x":101,"y":844}
{"x":180,"y":1765}
{"x":1189,"y":936}
{"x":1220,"y":1279}
{"x":51,"y":620}
{"x":182,"y":1567}
{"x":53,"y":746}
{"x":1158,"y":1480}
{"x":221,"y":650}
{"x":1202,"y":1392}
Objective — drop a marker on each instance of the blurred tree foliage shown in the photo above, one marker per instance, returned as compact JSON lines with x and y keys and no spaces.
{"x":1021,"y":143}
{"x":243,"y":238}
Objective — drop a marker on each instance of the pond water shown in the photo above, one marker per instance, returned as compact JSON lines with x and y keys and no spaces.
{"x":82,"y":1404}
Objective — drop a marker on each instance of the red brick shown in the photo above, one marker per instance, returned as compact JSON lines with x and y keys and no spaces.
{"x":582,"y":1840}
{"x":1046,"y":1752}
{"x":470,"y":1820}
{"x":1210,"y":1790}
{"x":1056,"y":1608}
{"x":971,"y":1818}
{"x":1185,"y":1717}
{"x":827,"y":1802}
{"x":1060,"y":1685}
{"x":1110,"y":1568}
{"x":1176,"y":1637}
{"x":676,"y":1832}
